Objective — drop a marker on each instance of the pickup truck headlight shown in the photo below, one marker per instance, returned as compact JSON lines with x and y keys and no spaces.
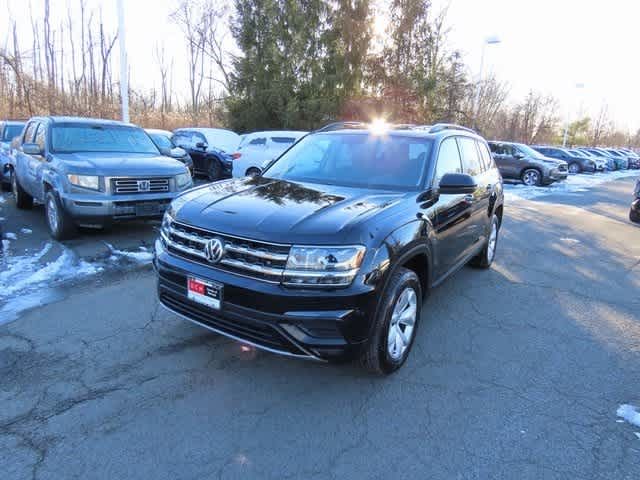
{"x":85,"y":181}
{"x":323,"y":266}
{"x":183,"y":180}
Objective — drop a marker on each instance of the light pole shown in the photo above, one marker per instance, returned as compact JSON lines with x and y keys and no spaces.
{"x":491,"y":40}
{"x":124,"y":77}
{"x":566,"y":126}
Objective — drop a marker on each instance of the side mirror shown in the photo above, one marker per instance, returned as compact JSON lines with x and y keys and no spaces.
{"x":457,"y":183}
{"x":166,"y":152}
{"x":31,"y":149}
{"x":518,"y":155}
{"x":202,"y":145}
{"x":177,"y":152}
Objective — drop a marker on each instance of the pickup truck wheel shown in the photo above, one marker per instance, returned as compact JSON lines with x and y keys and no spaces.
{"x":61,"y":226}
{"x":531,"y":177}
{"x":24,"y":201}
{"x":485,"y":258}
{"x":574,"y":167}
{"x":395,"y":325}
{"x":215,"y":170}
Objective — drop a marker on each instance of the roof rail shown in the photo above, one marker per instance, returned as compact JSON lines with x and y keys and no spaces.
{"x":341,"y":126}
{"x":438,"y":127}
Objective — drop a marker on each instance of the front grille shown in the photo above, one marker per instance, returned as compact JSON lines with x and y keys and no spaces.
{"x":562,"y":168}
{"x":256,"y":259}
{"x":125,"y":186}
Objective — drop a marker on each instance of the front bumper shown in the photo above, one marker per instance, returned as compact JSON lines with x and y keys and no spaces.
{"x":328,"y":325}
{"x":554,"y":176}
{"x":97,"y":209}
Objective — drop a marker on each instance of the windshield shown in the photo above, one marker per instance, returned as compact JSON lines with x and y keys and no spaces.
{"x":70,"y":138}
{"x":578,"y":153}
{"x":355,"y":160}
{"x":529,"y":152}
{"x":161,"y":141}
{"x":11,"y":131}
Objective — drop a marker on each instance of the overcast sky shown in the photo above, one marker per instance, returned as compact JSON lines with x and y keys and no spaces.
{"x":546,"y":45}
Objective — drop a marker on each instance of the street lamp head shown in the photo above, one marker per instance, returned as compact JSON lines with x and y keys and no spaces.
{"x":492,"y":40}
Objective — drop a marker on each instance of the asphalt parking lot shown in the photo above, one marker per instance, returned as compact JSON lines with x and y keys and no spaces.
{"x":517,"y":371}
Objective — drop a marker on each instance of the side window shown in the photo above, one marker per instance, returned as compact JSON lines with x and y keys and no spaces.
{"x":448,"y":159}
{"x":41,"y":136}
{"x":182,"y":139}
{"x":470,"y":158}
{"x":487,"y":159}
{"x":29,"y":133}
{"x":258,"y":141}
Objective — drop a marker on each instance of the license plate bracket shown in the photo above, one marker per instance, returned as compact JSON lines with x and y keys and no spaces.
{"x":205,"y":292}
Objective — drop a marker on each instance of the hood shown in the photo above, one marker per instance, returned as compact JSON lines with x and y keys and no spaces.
{"x":120,"y":164}
{"x":285,"y":212}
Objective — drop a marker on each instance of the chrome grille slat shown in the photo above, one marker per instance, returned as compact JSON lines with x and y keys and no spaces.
{"x":131,"y":185}
{"x":253,"y":258}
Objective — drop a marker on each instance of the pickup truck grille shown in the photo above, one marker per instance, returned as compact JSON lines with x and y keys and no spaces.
{"x":251,"y":258}
{"x":123,"y":186}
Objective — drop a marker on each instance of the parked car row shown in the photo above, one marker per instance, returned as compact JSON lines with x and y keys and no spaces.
{"x":538,"y":165}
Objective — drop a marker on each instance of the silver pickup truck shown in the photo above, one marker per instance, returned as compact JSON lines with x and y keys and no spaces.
{"x":91,"y":173}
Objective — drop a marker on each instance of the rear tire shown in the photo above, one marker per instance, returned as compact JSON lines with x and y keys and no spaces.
{"x":395,"y":324}
{"x":61,"y":226}
{"x":215,"y":170}
{"x":24,"y":201}
{"x":486,"y":256}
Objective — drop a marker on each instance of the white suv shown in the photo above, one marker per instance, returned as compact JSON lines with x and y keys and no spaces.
{"x":259,"y":147}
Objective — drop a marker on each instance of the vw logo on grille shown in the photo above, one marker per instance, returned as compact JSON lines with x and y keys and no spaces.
{"x":144,"y":185}
{"x":214,"y":250}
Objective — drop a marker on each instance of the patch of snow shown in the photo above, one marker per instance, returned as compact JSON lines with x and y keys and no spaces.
{"x":26,"y":230}
{"x":573,"y":184}
{"x":629,"y":413}
{"x":569,"y":240}
{"x":11,"y":236}
{"x":637,"y":434}
{"x":143,"y":255}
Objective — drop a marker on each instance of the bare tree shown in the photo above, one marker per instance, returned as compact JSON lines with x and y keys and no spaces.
{"x":601,"y":125}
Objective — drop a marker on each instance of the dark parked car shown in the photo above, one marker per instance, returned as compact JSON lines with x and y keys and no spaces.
{"x":90,"y":173}
{"x":576,"y":163}
{"x":621,"y":160}
{"x":600,"y":162}
{"x":329,"y":253}
{"x":521,"y":162}
{"x":634,"y":212}
{"x":162,"y":139}
{"x":633,"y":160}
{"x":611,"y":162}
{"x":9,"y":129}
{"x":211,"y":149}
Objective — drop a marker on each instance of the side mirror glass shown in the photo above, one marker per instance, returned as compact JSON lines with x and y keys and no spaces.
{"x":165,"y":151}
{"x":201,"y":145}
{"x":518,"y":155}
{"x":31,"y":149}
{"x":457,"y":183}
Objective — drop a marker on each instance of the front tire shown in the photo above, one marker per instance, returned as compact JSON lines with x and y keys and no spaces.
{"x":24,"y":201}
{"x":485,"y":258}
{"x":634,"y":216}
{"x":61,"y":226}
{"x":531,"y":177}
{"x":574,"y":168}
{"x":395,"y":325}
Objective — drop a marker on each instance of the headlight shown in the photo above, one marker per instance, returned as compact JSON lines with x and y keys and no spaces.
{"x":85,"y":181}
{"x":323,"y":266}
{"x":183,"y":180}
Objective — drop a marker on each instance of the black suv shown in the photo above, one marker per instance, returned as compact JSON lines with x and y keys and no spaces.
{"x":329,"y":253}
{"x":518,"y":161}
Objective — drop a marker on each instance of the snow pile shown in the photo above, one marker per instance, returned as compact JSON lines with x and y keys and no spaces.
{"x":11,"y":236}
{"x":629,"y":413}
{"x":26,"y":230}
{"x":573,"y":184}
{"x":26,"y":273}
{"x":142,"y":256}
